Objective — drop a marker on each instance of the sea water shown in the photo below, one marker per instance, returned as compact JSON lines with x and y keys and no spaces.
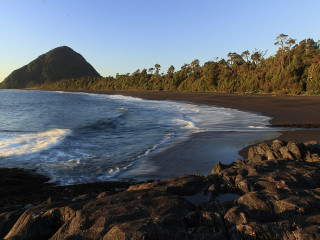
{"x":80,"y":137}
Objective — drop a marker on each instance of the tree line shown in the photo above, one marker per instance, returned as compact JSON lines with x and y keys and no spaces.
{"x":294,"y":69}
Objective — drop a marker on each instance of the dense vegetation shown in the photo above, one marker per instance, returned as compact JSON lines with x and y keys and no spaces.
{"x":294,"y":69}
{"x":57,"y":64}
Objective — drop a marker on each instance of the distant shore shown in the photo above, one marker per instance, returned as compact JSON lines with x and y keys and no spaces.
{"x":298,"y":113}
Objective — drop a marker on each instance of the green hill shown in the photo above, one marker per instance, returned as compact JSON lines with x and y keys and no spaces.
{"x":56,"y":65}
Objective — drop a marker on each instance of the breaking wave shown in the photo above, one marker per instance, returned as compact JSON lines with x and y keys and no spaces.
{"x":80,"y":137}
{"x":31,"y":142}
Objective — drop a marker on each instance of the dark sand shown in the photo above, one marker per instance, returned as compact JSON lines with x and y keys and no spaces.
{"x":285,"y":110}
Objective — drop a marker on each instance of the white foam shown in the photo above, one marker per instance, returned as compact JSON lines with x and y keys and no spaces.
{"x":122,"y":109}
{"x":187,"y":124}
{"x":257,"y":127}
{"x":118,"y":97}
{"x":31,"y":143}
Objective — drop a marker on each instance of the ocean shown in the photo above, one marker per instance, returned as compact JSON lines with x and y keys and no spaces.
{"x":80,"y":138}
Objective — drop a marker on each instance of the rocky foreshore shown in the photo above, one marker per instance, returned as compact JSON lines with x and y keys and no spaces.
{"x":272,"y":194}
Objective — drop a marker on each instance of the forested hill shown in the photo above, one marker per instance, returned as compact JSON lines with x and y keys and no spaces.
{"x":295,"y":68}
{"x":56,"y":65}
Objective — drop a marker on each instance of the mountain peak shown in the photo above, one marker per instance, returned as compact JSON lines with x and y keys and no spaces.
{"x":58,"y":64}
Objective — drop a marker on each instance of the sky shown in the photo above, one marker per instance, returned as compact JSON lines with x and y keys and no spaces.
{"x":121,"y":36}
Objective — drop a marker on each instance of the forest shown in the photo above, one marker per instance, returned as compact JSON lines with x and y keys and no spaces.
{"x":294,"y":69}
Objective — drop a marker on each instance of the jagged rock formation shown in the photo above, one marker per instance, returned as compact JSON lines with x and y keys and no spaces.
{"x":279,"y":186}
{"x":277,"y":193}
{"x":58,"y":64}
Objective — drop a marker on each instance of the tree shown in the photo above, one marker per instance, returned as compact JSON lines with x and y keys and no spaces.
{"x":290,"y":42}
{"x":245,"y":54}
{"x":137,"y":72}
{"x":195,"y":64}
{"x":157,"y":67}
{"x":170,"y":70}
{"x":235,"y":58}
{"x":150,"y":70}
{"x":281,"y":40}
{"x":230,"y":56}
{"x":257,"y":56}
{"x":295,"y":68}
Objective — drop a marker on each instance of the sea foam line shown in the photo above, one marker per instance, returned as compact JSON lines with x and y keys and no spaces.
{"x":31,"y":143}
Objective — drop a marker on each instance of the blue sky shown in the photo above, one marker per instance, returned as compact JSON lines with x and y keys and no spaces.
{"x":121,"y":36}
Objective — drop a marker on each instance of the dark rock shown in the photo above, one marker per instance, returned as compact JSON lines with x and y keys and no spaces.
{"x":262,"y":152}
{"x":7,"y":220}
{"x":36,"y":224}
{"x":279,"y":199}
{"x":278,"y":196}
{"x":312,"y":157}
{"x":183,"y":185}
{"x":280,"y":149}
{"x":22,"y":187}
{"x":285,"y":153}
{"x":294,"y":149}
{"x":217,"y":168}
{"x":156,"y":215}
{"x":192,"y":218}
{"x":277,"y":144}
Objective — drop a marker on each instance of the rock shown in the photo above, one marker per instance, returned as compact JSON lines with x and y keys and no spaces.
{"x":192,"y":218}
{"x":217,"y":168}
{"x":280,"y":149}
{"x":262,"y":148}
{"x":183,"y":185}
{"x":36,"y":224}
{"x":285,"y":153}
{"x":279,"y":199}
{"x":277,"y":144}
{"x":312,"y":157}
{"x":7,"y":220}
{"x":294,"y":149}
{"x":211,"y":219}
{"x":156,"y":215}
{"x":262,"y":152}
{"x":148,"y":230}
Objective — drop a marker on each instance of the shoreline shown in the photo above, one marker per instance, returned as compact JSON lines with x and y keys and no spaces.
{"x":293,"y":112}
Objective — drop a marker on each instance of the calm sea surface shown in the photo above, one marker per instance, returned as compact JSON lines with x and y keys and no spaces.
{"x":79,"y":137}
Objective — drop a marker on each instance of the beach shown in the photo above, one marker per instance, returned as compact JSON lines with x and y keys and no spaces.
{"x":298,"y":113}
{"x":293,"y":118}
{"x":272,"y":193}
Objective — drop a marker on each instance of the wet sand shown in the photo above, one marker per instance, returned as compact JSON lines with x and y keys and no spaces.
{"x":196,"y":154}
{"x":284,"y":109}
